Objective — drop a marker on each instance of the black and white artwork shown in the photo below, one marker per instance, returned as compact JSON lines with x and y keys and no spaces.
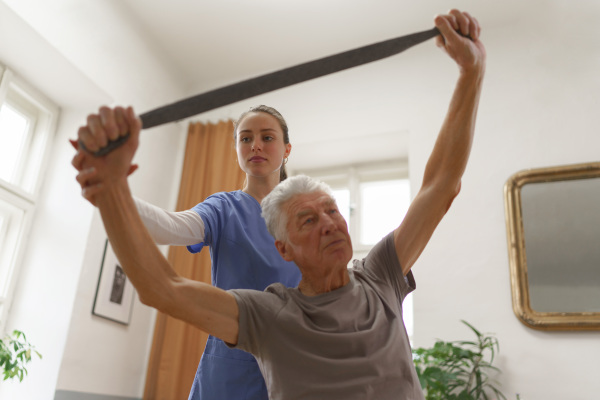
{"x":114,"y":293}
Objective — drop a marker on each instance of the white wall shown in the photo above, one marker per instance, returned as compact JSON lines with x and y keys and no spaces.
{"x":54,"y":297}
{"x":539,"y":108}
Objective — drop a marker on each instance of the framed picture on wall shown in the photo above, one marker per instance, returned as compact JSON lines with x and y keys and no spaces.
{"x":114,"y":293}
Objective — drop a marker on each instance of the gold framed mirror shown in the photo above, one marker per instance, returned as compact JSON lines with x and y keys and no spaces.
{"x":553,"y":231}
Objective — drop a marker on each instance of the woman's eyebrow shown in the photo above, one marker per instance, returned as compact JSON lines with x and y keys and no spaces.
{"x":260,"y":130}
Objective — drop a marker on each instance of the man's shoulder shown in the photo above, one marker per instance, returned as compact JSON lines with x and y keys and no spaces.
{"x":383,"y":251}
{"x":280,"y":290}
{"x":267,"y":302}
{"x":382,"y":264}
{"x":272,"y":292}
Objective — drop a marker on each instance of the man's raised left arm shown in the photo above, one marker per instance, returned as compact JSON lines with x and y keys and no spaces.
{"x":459,"y":38}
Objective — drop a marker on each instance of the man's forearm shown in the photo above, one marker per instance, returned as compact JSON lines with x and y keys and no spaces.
{"x":143,"y":263}
{"x":448,"y":160}
{"x":449,"y":157}
{"x":211,"y":309}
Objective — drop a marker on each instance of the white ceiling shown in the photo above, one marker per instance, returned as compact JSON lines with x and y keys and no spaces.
{"x":359,"y":115}
{"x":364,"y":114}
{"x":210,"y":44}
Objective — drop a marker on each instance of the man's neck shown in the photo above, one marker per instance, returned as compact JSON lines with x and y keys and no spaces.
{"x":313,"y":286}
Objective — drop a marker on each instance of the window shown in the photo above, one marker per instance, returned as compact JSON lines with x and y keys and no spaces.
{"x":27,"y":123}
{"x":373,"y":199}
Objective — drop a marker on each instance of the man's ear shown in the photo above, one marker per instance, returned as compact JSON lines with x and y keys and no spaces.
{"x":284,"y":250}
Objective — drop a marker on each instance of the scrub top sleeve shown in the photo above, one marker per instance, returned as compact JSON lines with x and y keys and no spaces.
{"x":213,"y":212}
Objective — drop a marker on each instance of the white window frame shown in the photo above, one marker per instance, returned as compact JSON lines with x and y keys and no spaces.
{"x":351,"y":177}
{"x":22,"y":195}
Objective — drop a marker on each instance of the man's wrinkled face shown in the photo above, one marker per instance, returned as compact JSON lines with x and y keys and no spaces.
{"x":317,"y":234}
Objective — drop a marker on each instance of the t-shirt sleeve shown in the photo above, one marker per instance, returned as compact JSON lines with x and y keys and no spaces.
{"x":382,"y":262}
{"x":257,"y":311}
{"x":213,"y":211}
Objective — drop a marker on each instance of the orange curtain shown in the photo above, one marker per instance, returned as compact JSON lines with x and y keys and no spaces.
{"x":209,"y":166}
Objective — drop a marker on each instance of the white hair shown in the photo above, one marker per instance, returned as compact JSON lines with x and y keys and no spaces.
{"x":272,"y":205}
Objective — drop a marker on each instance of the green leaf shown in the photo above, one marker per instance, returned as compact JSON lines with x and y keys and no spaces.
{"x":458,"y":370}
{"x":15,"y":353}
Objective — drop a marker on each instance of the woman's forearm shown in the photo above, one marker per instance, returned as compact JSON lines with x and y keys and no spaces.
{"x":182,"y":228}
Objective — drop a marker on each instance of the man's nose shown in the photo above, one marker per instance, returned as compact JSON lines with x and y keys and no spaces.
{"x":328,"y":224}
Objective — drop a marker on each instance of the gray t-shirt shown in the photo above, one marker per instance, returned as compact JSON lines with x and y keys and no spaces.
{"x":350,"y":343}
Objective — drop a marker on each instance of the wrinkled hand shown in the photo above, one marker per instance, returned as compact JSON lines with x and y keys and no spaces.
{"x":459,"y":38}
{"x":98,"y":173}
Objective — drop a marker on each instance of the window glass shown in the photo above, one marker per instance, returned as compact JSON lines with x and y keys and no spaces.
{"x":11,"y":218}
{"x":13,"y":134}
{"x":27,"y":123}
{"x":3,"y":228}
{"x":342,"y":198}
{"x":3,"y":249}
{"x":383,"y":205}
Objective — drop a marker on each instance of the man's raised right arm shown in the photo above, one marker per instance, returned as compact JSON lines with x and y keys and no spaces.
{"x":211,"y":309}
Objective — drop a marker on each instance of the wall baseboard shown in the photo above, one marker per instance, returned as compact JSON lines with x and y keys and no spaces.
{"x":71,"y":395}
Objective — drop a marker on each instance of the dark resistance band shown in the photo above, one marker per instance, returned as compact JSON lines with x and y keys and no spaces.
{"x":275,"y":80}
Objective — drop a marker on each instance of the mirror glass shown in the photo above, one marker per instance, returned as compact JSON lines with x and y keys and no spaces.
{"x":553,"y":221}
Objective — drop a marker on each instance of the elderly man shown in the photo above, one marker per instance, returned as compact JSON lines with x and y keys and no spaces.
{"x":339,"y":334}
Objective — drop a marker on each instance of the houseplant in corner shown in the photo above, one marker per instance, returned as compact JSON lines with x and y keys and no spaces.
{"x":15,"y":353}
{"x":459,"y":370}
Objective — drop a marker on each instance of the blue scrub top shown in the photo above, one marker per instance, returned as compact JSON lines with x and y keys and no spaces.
{"x":243,"y":256}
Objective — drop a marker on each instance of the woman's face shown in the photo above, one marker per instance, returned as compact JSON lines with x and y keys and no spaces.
{"x":259,"y":144}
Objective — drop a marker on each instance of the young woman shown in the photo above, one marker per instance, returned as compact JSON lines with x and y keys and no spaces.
{"x":243,"y":253}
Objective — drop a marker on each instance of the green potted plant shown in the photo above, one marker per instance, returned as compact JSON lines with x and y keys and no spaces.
{"x":15,"y":353}
{"x":459,"y":370}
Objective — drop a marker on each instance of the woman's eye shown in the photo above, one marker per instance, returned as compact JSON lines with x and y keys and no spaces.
{"x":244,"y":140}
{"x":268,"y":138}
